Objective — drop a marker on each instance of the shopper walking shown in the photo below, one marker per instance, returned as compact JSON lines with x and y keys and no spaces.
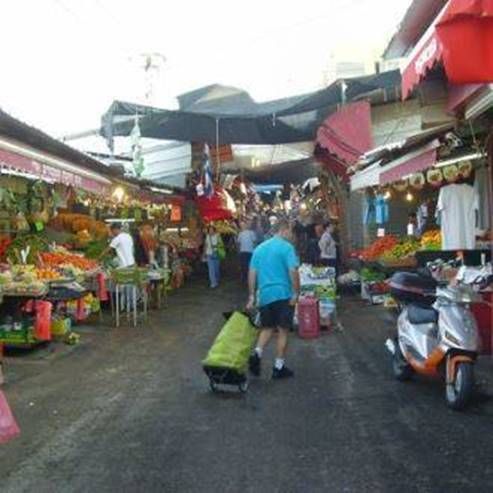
{"x":274,"y":285}
{"x":212,"y":252}
{"x":313,"y":248}
{"x":246,"y":240}
{"x":328,"y":247}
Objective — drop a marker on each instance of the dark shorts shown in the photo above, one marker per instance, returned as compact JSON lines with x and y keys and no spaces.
{"x":277,"y":315}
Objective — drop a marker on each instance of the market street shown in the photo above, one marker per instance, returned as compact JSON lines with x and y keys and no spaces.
{"x":129,"y":410}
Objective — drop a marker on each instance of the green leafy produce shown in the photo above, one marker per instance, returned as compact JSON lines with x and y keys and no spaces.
{"x":95,"y":248}
{"x":35,"y":244}
{"x":370,"y":275}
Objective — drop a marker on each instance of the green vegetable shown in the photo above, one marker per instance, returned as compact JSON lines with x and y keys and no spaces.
{"x":370,"y":275}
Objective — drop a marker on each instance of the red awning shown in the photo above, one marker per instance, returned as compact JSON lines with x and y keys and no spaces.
{"x":429,"y":53}
{"x":214,"y":208}
{"x":465,"y":32}
{"x":346,"y":134}
{"x":410,"y":163}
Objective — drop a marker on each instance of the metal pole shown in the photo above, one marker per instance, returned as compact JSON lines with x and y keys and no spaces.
{"x":218,"y":160}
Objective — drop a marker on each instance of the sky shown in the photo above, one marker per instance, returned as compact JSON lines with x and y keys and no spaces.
{"x":65,"y":61}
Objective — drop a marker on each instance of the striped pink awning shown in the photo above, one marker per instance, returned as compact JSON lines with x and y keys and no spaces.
{"x":408,"y":165}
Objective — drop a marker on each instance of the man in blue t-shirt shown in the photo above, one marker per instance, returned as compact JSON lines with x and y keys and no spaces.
{"x":273,"y":283}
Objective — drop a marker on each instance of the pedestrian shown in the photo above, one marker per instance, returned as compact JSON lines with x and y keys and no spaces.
{"x":273,"y":283}
{"x":212,"y":246}
{"x":257,"y":227}
{"x":246,"y":240}
{"x":313,"y":248}
{"x":328,"y":247}
{"x":123,"y":244}
{"x":145,"y":245}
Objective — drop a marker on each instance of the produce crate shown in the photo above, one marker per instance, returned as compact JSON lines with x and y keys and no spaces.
{"x":373,"y":295}
{"x":23,"y":336}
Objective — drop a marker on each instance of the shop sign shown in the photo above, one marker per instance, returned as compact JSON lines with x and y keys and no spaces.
{"x":175,"y":214}
{"x":49,"y":173}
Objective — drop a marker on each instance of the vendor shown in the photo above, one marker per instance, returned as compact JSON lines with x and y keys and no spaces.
{"x":123,"y":244}
{"x":412,"y":225}
{"x":145,"y":245}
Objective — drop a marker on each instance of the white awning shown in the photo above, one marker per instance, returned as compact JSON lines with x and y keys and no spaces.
{"x":369,"y":177}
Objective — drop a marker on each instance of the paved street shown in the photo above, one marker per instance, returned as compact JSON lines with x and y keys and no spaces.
{"x":129,"y":411}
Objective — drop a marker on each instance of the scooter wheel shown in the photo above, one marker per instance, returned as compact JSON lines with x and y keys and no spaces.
{"x":402,"y":370}
{"x":459,"y":392}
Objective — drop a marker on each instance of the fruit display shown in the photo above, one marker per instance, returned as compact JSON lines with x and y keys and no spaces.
{"x":378,"y":287}
{"x":379,"y":247}
{"x":77,"y":223}
{"x":371,"y":276}
{"x":63,"y":259}
{"x":225,"y":227}
{"x":47,"y":274}
{"x":431,"y":240}
{"x":403,"y":249}
{"x":29,"y":245}
{"x":4,"y":244}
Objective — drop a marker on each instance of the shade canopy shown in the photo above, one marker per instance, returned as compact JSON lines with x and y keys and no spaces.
{"x":233,"y":118}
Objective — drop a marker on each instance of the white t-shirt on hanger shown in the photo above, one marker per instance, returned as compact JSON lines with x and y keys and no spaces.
{"x":457,"y":205}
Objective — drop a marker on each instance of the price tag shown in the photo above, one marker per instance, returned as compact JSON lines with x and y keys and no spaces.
{"x":380,"y":232}
{"x":410,"y":229}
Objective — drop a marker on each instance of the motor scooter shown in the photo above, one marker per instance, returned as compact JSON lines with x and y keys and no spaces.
{"x":437,"y":334}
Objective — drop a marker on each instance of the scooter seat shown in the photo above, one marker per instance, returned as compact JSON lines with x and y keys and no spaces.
{"x":419,"y":315}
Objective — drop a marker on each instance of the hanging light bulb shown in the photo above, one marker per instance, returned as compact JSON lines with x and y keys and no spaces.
{"x":119,"y":194}
{"x":409,"y":197}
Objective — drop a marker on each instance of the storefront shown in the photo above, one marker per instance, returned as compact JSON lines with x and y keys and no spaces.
{"x":422,"y":204}
{"x":56,"y":205}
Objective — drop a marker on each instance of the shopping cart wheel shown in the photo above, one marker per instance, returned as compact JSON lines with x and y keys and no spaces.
{"x":243,"y":387}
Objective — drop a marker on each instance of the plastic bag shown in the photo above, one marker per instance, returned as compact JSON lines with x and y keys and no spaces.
{"x":102,"y":289}
{"x":221,"y":250}
{"x":8,"y":425}
{"x":233,"y":345}
{"x":42,"y":326}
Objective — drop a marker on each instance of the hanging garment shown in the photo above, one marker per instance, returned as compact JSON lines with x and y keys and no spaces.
{"x":369,"y":212}
{"x":482,"y":186}
{"x":381,"y":210}
{"x":457,"y":205}
{"x":422,"y":217}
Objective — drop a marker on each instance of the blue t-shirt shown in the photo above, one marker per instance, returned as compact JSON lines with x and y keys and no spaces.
{"x":272,"y":261}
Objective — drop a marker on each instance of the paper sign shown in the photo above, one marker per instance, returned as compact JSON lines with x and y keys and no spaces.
{"x":380,"y":232}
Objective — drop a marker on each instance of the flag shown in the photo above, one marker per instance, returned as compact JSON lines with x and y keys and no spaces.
{"x":137,"y":156}
{"x":208,"y":181}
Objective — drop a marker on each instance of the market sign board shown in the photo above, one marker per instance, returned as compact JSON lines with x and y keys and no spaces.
{"x":24,"y":164}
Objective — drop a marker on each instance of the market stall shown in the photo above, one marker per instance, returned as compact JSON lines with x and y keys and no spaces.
{"x":428,"y":206}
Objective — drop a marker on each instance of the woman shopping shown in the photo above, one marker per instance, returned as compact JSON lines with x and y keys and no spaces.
{"x":214,"y":253}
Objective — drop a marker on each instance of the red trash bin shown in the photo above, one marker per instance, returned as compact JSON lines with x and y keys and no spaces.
{"x":308,"y":317}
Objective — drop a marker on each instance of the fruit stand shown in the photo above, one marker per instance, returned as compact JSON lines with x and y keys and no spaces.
{"x":42,"y":298}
